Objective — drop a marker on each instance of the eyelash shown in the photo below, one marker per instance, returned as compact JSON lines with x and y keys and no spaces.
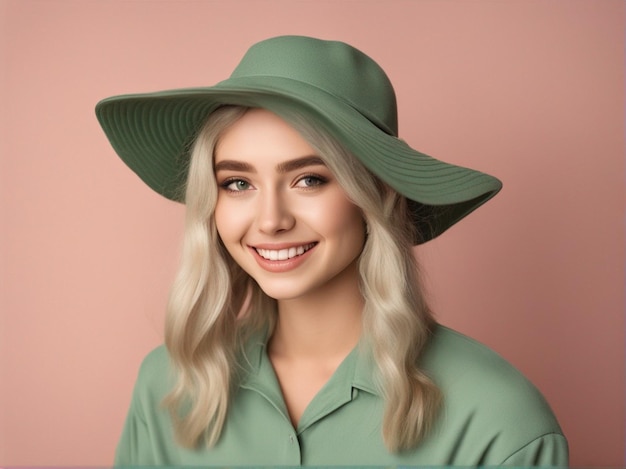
{"x":224,"y":185}
{"x":320,"y":182}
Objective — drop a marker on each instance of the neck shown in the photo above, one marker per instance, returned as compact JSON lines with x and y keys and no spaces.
{"x":323,"y":325}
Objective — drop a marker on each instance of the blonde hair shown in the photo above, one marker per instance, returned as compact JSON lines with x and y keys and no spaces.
{"x":208,"y":317}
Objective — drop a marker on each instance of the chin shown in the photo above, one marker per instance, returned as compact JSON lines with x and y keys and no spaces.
{"x":280,"y":294}
{"x":280,"y":291}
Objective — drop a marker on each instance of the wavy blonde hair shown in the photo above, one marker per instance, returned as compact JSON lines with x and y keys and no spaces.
{"x":209,"y":318}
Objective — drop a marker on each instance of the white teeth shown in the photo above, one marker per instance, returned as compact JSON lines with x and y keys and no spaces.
{"x":283,"y":254}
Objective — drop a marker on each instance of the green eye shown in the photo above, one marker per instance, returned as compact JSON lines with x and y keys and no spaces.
{"x":236,"y":185}
{"x":311,"y":181}
{"x":241,"y":185}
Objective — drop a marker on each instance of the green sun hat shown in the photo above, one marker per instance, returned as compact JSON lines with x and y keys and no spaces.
{"x":337,"y":86}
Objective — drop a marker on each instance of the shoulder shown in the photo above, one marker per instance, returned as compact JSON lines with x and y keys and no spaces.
{"x":455,"y":359}
{"x":155,"y":360}
{"x":453,"y":356}
{"x":485,"y":397}
{"x":148,"y":428}
{"x":471,"y":374}
{"x":155,"y":374}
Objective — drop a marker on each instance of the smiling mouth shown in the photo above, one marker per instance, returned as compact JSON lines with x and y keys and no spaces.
{"x":284,"y":254}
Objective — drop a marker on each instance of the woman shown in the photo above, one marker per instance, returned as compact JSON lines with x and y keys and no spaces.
{"x":297,"y":332}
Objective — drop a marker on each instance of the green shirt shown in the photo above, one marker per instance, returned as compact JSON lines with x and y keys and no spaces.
{"x":491,"y":415}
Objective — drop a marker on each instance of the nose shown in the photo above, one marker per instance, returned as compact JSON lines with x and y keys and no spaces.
{"x":274,"y":214}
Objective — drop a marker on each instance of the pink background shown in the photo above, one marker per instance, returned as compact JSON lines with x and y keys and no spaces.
{"x":529,"y":90}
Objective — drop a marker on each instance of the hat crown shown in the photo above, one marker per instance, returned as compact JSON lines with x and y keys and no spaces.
{"x":332,"y":66}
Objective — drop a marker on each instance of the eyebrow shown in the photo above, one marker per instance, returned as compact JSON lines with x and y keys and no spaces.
{"x":231,"y":165}
{"x":285,"y":167}
{"x":299,"y":163}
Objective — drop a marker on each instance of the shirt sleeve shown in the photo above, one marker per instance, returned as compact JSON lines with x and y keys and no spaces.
{"x":133,"y":448}
{"x":140,"y":440}
{"x":547,"y":450}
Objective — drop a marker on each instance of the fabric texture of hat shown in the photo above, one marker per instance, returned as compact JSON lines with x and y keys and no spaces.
{"x":337,"y":86}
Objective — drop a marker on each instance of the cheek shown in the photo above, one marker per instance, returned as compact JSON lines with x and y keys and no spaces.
{"x":228,"y":225}
{"x":218,"y":218}
{"x":348,"y":219}
{"x":354,"y":224}
{"x":340,"y":219}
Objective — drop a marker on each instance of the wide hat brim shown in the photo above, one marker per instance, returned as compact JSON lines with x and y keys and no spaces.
{"x":153,"y":133}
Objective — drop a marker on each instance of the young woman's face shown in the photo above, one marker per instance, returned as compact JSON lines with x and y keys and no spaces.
{"x":280,"y":211}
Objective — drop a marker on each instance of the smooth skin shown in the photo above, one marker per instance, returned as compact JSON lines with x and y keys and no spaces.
{"x":287,"y":222}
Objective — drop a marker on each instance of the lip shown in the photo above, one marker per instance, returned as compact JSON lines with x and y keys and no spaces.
{"x":279,"y":266}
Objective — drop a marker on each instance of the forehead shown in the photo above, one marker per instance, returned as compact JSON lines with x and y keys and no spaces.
{"x":261,"y":136}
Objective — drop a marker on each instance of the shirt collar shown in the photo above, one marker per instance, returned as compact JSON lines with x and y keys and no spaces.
{"x":356,"y":372}
{"x":365,"y":371}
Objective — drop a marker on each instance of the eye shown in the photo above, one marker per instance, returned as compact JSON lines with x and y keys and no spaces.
{"x":236,"y":185}
{"x":310,"y":180}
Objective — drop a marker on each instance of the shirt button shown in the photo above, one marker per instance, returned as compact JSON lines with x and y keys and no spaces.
{"x":291,"y":439}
